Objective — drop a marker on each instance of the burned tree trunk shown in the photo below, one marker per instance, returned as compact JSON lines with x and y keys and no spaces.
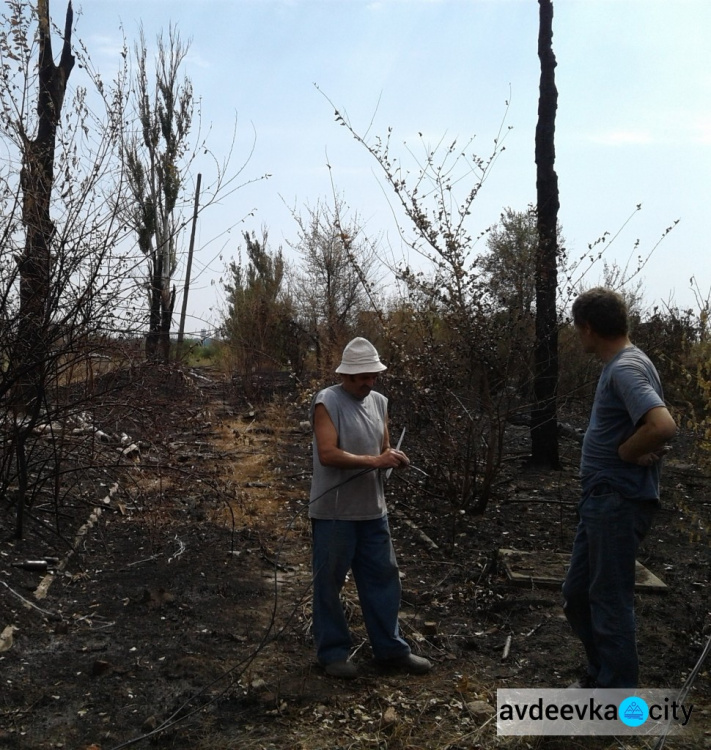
{"x":31,"y":353}
{"x":544,"y":434}
{"x":37,"y":178}
{"x":166,"y":321}
{"x":154,"y":313}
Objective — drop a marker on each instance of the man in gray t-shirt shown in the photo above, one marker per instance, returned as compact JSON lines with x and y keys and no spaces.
{"x":351,"y":449}
{"x":619,"y":471}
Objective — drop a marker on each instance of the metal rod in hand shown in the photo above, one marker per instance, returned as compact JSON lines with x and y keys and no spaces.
{"x":397,"y":448}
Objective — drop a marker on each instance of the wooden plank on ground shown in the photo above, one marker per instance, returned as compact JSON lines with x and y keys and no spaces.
{"x":547,"y":569}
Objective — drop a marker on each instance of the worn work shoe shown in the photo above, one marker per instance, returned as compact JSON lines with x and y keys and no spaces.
{"x":345,"y":670}
{"x":409,"y":663}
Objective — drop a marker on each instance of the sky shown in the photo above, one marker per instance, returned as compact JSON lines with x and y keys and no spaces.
{"x":633,"y":122}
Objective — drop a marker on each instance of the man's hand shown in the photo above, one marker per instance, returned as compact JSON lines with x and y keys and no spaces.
{"x":649,"y":459}
{"x":647,"y":445}
{"x":391,"y":458}
{"x":331,"y":455}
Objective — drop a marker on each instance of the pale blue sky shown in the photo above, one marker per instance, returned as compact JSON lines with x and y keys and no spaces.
{"x":633,"y":126}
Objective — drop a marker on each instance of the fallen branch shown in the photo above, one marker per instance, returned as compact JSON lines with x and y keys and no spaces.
{"x":419,"y":533}
{"x":27,"y":602}
{"x":542,"y":500}
{"x":43,"y":588}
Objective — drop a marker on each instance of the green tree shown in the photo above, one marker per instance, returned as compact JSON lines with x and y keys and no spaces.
{"x":510,"y":262}
{"x":509,"y":269}
{"x":258,"y":321}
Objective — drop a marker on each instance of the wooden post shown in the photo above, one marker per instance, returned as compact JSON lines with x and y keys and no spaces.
{"x":186,"y":289}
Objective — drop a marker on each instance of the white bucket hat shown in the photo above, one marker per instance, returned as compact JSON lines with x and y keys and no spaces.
{"x":360,"y":356}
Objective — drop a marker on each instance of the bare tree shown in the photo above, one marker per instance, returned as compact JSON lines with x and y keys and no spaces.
{"x":159,"y":157}
{"x":157,"y":174}
{"x":448,"y":378}
{"x":30,"y":356}
{"x":338,"y":279}
{"x":63,"y":282}
{"x":544,"y":417}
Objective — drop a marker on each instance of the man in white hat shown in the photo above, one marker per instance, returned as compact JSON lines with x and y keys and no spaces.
{"x":349,"y":517}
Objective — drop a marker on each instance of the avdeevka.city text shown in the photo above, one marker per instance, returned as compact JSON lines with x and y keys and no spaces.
{"x":590,"y":711}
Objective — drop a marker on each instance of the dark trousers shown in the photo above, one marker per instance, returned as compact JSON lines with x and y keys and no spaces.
{"x":599,"y":587}
{"x":365,"y":548}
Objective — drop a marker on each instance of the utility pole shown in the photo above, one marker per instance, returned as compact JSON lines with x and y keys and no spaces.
{"x":186,"y":289}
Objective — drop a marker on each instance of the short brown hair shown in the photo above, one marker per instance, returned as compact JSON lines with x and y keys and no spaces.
{"x":603,"y":310}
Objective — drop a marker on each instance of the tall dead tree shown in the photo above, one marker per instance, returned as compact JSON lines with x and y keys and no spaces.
{"x":544,"y":421}
{"x":157,"y":174}
{"x":30,"y":358}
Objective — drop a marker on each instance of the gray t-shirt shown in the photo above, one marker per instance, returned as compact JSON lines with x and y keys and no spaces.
{"x":360,"y":424}
{"x":629,"y":386}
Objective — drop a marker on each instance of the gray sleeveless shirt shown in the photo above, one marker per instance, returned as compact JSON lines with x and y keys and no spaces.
{"x":360,"y":425}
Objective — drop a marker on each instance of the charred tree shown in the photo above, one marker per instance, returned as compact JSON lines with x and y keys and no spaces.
{"x":36,"y":180}
{"x":30,"y":357}
{"x":544,"y":418}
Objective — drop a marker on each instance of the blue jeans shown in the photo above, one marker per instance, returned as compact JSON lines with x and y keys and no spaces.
{"x":366,"y":549}
{"x":598,"y":591}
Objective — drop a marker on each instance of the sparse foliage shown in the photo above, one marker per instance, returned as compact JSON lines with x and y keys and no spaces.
{"x":447,"y":380}
{"x":337,"y":283}
{"x":62,"y":285}
{"x":509,"y":269}
{"x":155,"y":158}
{"x":258,"y":321}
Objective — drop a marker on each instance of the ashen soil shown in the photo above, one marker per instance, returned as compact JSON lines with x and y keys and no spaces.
{"x":178,"y":614}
